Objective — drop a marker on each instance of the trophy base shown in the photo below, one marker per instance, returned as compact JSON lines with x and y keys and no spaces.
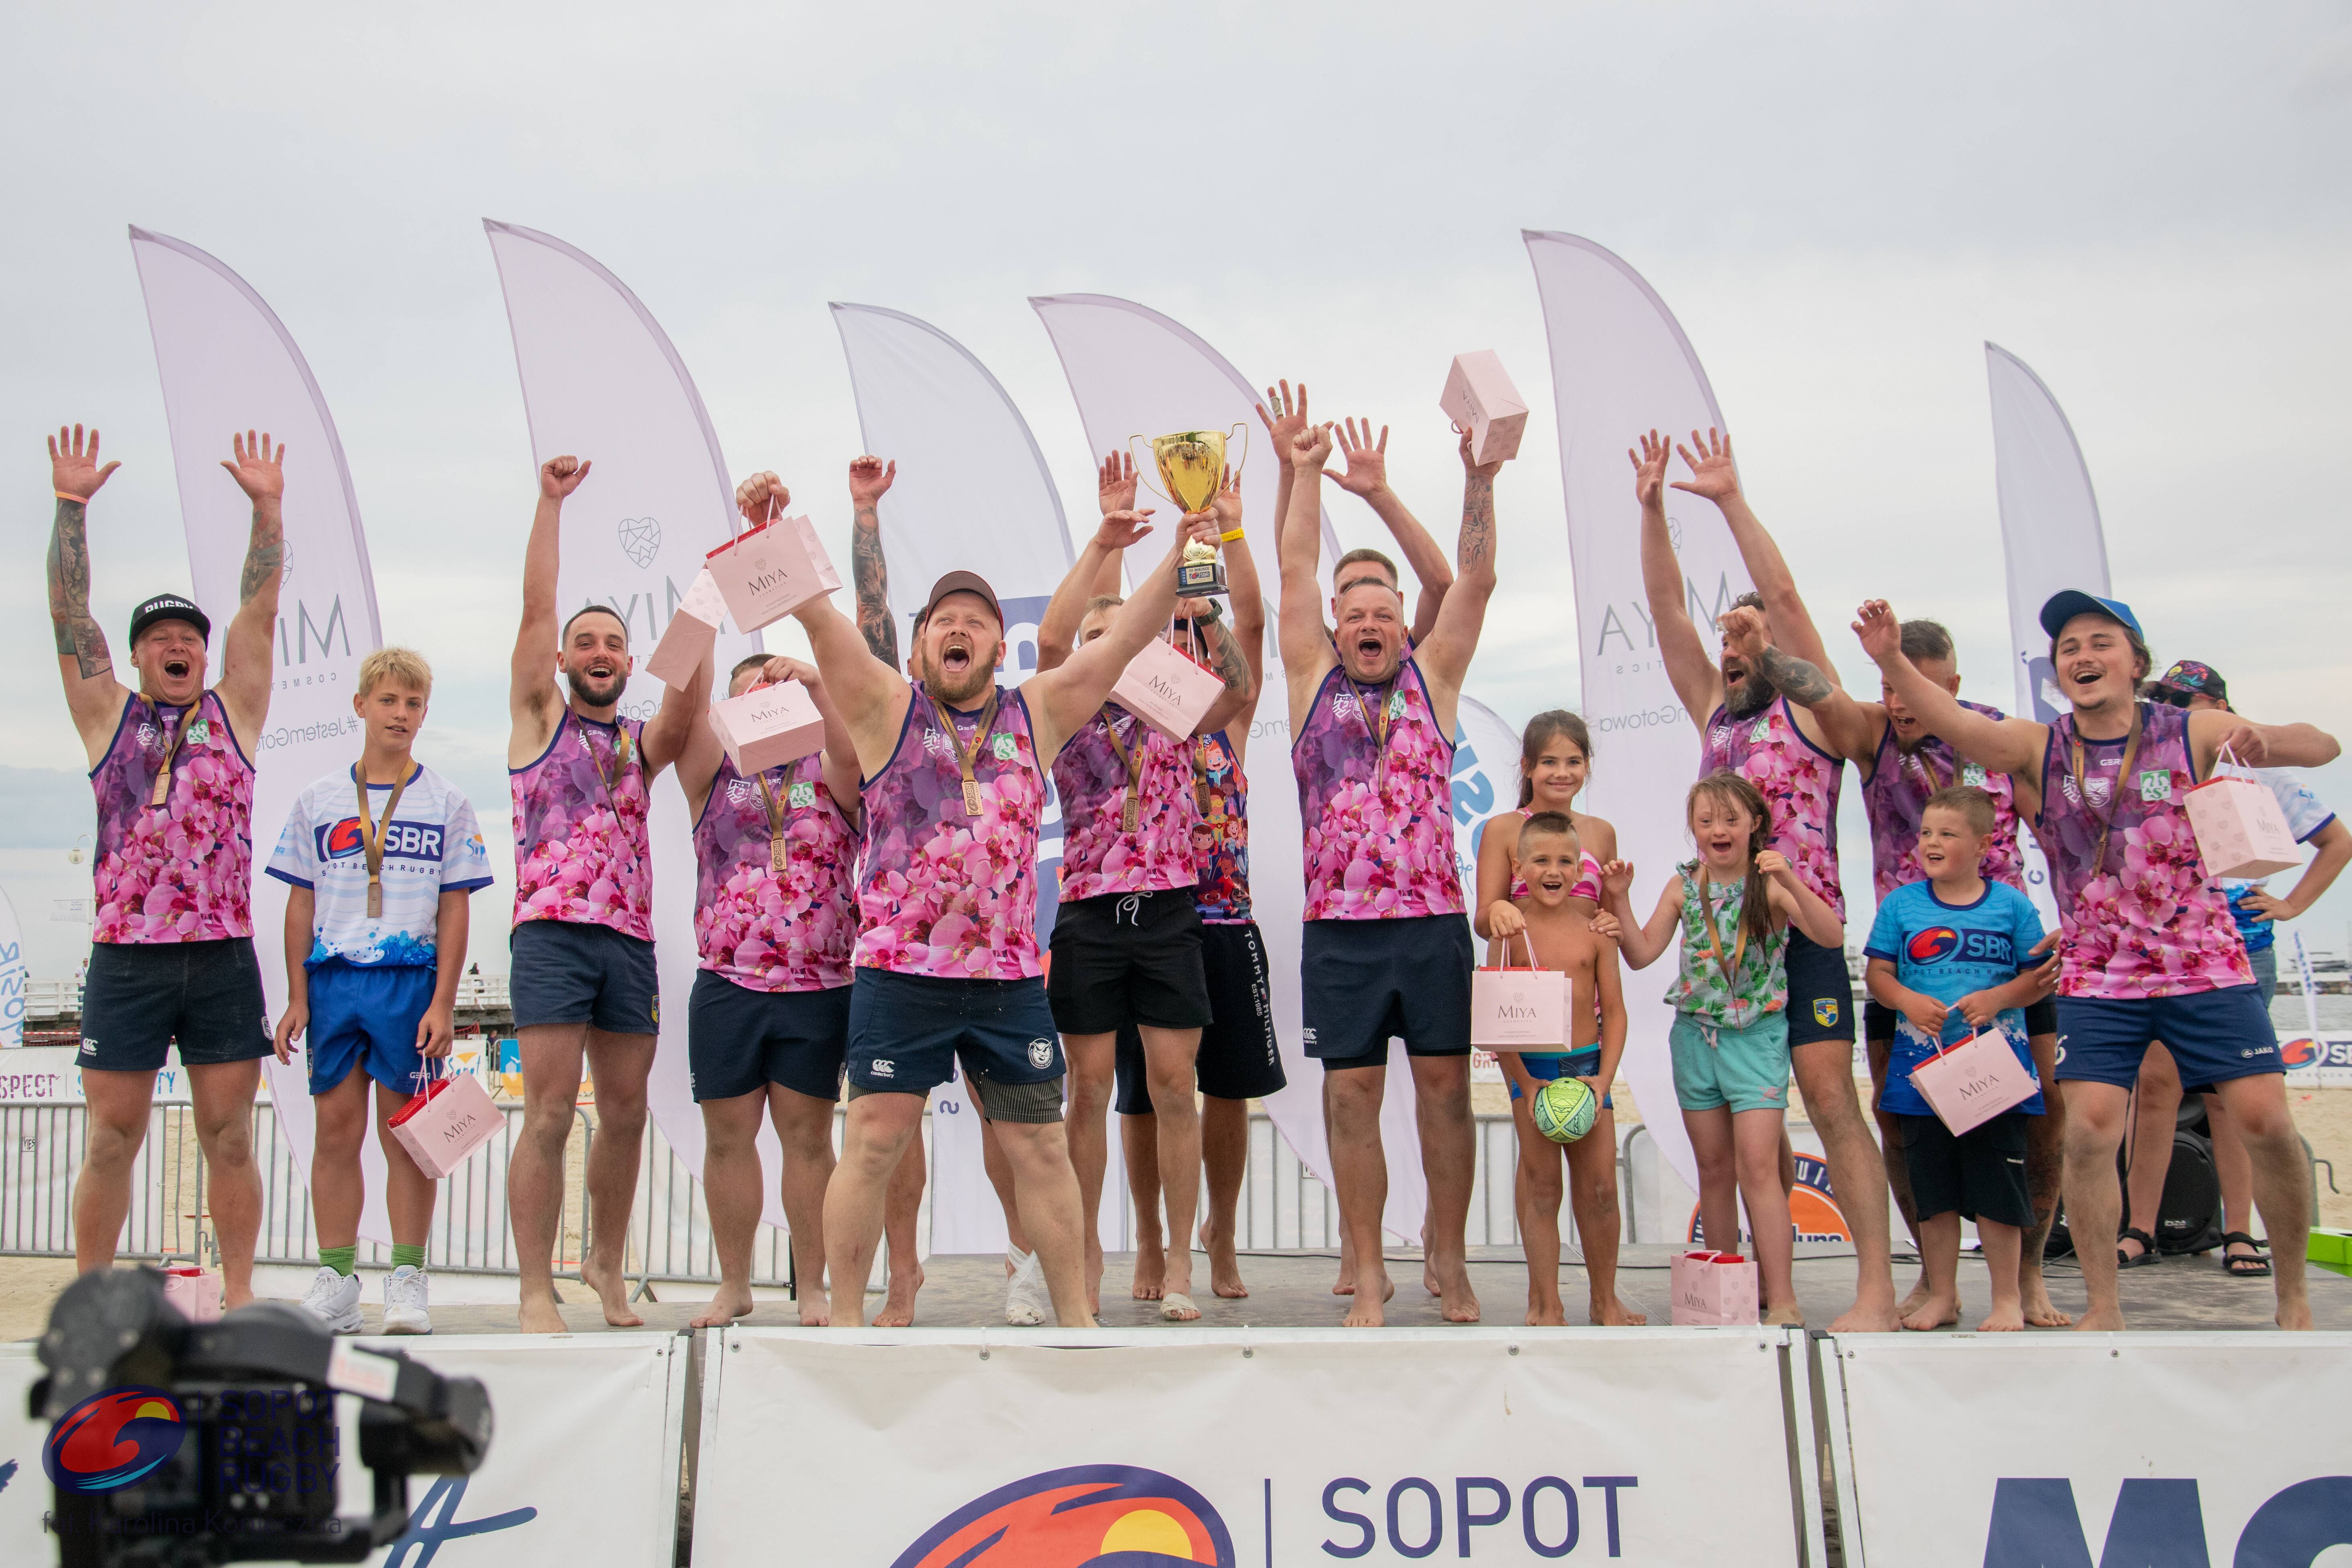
{"x":1201,"y":579}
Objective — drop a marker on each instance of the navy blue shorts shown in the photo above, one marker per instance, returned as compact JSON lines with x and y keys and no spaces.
{"x":1364,"y":980}
{"x":739,"y":1040}
{"x":1575,"y":1063}
{"x":569,"y":972}
{"x":366,"y":1017}
{"x":906,"y":1032}
{"x":2213,"y":1036}
{"x":141,"y":997}
{"x":1820,"y":993}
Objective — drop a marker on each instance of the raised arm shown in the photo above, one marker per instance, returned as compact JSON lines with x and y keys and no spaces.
{"x":1282,"y":423}
{"x":1850,"y":727}
{"x":1306,"y":652}
{"x":1445,"y":656}
{"x":869,"y":572}
{"x":2004,"y":745}
{"x":1368,"y":477}
{"x":1798,"y":904}
{"x":93,"y":695}
{"x":698,"y":756}
{"x":870,"y":694}
{"x":681,"y":716}
{"x":1641,"y":944}
{"x":260,"y":471}
{"x":530,"y":695}
{"x":1715,"y":476}
{"x":1247,"y":597}
{"x":1695,"y":678}
{"x":1226,"y":659}
{"x":2259,"y":745}
{"x":840,"y":763}
{"x":1061,"y":700}
{"x":1057,"y":629}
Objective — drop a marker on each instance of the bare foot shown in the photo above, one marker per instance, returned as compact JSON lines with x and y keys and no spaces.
{"x":236,"y":1295}
{"x":898,"y":1307}
{"x":1914,"y":1301}
{"x":538,"y":1316}
{"x":1457,"y":1304}
{"x":1345,"y":1285}
{"x":1613,"y":1313}
{"x":1547,"y":1314}
{"x":731,"y":1303}
{"x":1094,"y":1284}
{"x":2004,"y":1321}
{"x":1151,"y":1269}
{"x":2294,"y":1316}
{"x":1224,"y":1268}
{"x":1429,"y":1278}
{"x":1862,"y":1320}
{"x":612,"y":1288}
{"x":1935,"y":1312}
{"x":2095,"y":1322}
{"x":1788,"y":1315}
{"x":2041,"y":1312}
{"x":1366,"y":1314}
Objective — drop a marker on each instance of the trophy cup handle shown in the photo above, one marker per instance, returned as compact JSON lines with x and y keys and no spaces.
{"x":1242,"y":430}
{"x":1144,"y":468}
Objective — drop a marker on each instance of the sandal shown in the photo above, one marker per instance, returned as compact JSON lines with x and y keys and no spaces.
{"x":2242,"y":1266}
{"x":2148,"y":1248}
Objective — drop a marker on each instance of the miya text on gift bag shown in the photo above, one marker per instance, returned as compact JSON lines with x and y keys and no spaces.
{"x":1166,"y":690}
{"x":1713,"y":1288}
{"x":2240,"y":831}
{"x":443,"y":1126}
{"x":768,"y":726}
{"x":1971,"y":1083}
{"x":1522,"y":1010}
{"x":765,"y":572}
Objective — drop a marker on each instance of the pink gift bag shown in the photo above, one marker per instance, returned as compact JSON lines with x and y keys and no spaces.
{"x":768,"y":726}
{"x":2240,"y":831}
{"x":765,"y":572}
{"x":1166,"y":690}
{"x":1522,"y":1010}
{"x":693,"y":628}
{"x":1479,"y":398}
{"x":1972,"y":1082}
{"x":1712,"y":1287}
{"x":196,"y":1292}
{"x":446,"y":1123}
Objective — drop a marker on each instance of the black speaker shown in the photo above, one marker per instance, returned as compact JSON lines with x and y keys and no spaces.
{"x":2189,"y":1215}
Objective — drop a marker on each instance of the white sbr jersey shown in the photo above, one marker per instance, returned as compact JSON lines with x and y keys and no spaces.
{"x":432,"y":845}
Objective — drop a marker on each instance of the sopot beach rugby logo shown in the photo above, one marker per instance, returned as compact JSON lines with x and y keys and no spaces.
{"x":1097,"y":1514}
{"x":111,"y":1440}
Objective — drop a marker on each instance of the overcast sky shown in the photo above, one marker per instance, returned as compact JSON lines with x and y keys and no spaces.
{"x":2148,"y":203}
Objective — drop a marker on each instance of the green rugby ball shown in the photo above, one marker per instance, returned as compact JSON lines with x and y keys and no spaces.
{"x":1564,"y":1110}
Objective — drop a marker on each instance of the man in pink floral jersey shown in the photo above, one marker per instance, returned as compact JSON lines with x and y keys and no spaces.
{"x":947,"y":967}
{"x":582,"y":969}
{"x":2149,"y":949}
{"x":173,"y":955}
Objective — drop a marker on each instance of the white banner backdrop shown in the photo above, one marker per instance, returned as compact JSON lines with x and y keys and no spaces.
{"x":13,"y":977}
{"x":1658,"y":1446}
{"x":2024,"y":1451}
{"x":1621,"y":366}
{"x":583,"y":1466}
{"x":601,"y":381}
{"x":228,"y":364}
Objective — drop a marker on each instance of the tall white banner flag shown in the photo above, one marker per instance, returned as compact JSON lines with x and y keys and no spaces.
{"x":228,"y":364}
{"x":972,"y":493}
{"x":13,"y":977}
{"x":601,"y":381}
{"x":1619,"y":367}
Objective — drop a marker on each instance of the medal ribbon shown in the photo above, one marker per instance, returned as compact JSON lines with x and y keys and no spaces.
{"x":1130,"y":815}
{"x":371,"y":836}
{"x":776,"y":841}
{"x":964,"y":754}
{"x":163,"y":793}
{"x":1377,"y":724}
{"x":621,"y":752}
{"x":2114,"y":798}
{"x":1714,"y":935}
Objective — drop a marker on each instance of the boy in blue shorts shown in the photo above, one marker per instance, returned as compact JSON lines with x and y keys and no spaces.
{"x":381,"y":858}
{"x":1953,"y":955}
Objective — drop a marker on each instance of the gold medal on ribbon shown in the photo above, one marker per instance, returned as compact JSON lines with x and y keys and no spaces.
{"x":963,"y":753}
{"x":1132,"y":816}
{"x":371,"y":836}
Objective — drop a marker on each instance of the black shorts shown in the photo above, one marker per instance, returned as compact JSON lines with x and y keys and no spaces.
{"x":1128,"y":958}
{"x":907,"y":1032}
{"x":1239,"y":1057}
{"x":1364,"y":980}
{"x":739,"y":1040}
{"x":1981,"y":1175}
{"x":1820,"y":993}
{"x":1878,"y":1020}
{"x":569,"y":972}
{"x":141,"y":998}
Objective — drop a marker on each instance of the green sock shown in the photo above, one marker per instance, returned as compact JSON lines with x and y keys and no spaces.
{"x":342,"y":1259}
{"x":406,"y":1256}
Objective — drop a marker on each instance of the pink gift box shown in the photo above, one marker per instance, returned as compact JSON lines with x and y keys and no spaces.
{"x":1166,"y":690}
{"x":446,"y":1123}
{"x":196,"y":1292}
{"x":765,"y":572}
{"x":1713,"y":1288}
{"x":1969,"y":1084}
{"x":1480,"y":398}
{"x":768,"y":726}
{"x":687,"y":641}
{"x":2240,"y":831}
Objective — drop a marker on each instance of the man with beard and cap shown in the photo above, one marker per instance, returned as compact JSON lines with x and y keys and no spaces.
{"x":1752,"y":729}
{"x":1386,"y":951}
{"x":171,"y":958}
{"x":1901,"y":765}
{"x":947,"y":967}
{"x":582,"y":976}
{"x":2150,"y":951}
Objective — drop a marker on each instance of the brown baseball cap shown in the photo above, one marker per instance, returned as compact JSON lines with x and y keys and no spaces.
{"x":962,"y":582}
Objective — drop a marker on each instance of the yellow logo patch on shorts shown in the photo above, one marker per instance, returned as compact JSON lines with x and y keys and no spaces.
{"x":1825,"y":1012}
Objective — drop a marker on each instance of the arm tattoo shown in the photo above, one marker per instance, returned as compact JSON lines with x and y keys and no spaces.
{"x":1478,"y":545}
{"x":77,"y":636}
{"x":264,"y":558}
{"x":1225,"y":652}
{"x":872,"y":575}
{"x":1797,"y":679}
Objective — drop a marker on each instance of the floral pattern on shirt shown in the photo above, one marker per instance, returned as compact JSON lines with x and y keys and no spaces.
{"x":1900,"y":782}
{"x":1379,"y":820}
{"x":1099,"y":855}
{"x":1800,"y":784}
{"x":763,"y":930}
{"x":181,"y":871}
{"x":580,"y":849}
{"x":1702,"y":987}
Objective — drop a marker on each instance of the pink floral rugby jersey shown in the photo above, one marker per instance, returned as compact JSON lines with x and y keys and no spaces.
{"x":181,"y":871}
{"x":1800,"y":782}
{"x":1099,"y":854}
{"x":1896,"y":791}
{"x":1379,"y":818}
{"x":1588,"y":873}
{"x":580,"y":851}
{"x":2148,"y":921}
{"x":765,"y":930}
{"x":1221,"y":839}
{"x":942,"y":891}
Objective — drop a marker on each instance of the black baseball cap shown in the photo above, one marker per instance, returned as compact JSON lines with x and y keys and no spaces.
{"x":2189,"y":678}
{"x":961,"y":583}
{"x":169,"y":608}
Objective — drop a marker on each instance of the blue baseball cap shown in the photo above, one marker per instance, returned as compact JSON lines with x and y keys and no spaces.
{"x":2067,"y":603}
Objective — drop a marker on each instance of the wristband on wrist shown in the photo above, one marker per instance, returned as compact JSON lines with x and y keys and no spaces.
{"x":78,"y":500}
{"x":1229,"y":537}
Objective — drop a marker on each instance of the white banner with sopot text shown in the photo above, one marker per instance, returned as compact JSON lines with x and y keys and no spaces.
{"x":2158,"y":1450}
{"x":1053,"y":1451}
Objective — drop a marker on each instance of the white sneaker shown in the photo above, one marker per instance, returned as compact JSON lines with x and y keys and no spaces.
{"x":404,"y":1302}
{"x":334,"y":1301}
{"x":1026,"y":1300}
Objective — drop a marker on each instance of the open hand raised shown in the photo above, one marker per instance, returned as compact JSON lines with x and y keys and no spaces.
{"x":73,"y":469}
{"x":1115,"y":483}
{"x":1367,"y":463}
{"x":1122,"y":528}
{"x":1283,"y":421}
{"x":1712,"y":473}
{"x":1650,"y":469}
{"x":260,"y":469}
{"x":1880,"y":633}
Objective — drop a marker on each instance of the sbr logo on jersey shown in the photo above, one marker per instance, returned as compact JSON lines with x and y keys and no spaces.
{"x":402,"y":841}
{"x":1098,"y":1514}
{"x":1932,"y":945}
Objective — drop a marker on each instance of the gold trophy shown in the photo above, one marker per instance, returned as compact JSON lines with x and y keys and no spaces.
{"x":1191,"y":464}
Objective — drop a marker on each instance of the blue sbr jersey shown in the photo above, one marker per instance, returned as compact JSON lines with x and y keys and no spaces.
{"x":1948,"y":952}
{"x":432,"y":846}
